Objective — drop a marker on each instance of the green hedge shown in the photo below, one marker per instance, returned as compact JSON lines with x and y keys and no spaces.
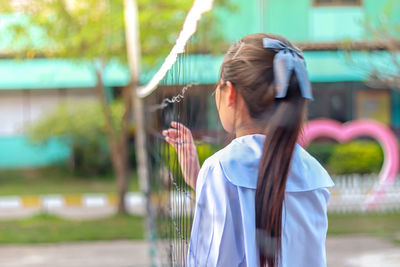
{"x":321,"y":151}
{"x":354,"y":157}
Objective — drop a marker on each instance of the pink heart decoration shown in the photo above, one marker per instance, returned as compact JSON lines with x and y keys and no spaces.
{"x":351,"y":130}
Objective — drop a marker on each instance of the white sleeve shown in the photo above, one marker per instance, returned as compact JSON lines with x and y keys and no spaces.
{"x":216,"y":238}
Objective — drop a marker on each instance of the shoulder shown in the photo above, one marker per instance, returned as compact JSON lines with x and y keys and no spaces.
{"x":237,"y":163}
{"x":306,"y":173}
{"x":211,"y":170}
{"x":213,"y":185}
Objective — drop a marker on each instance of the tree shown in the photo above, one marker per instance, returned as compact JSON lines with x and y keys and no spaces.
{"x":386,"y":72}
{"x":93,"y":30}
{"x":382,"y":47}
{"x":82,"y":127}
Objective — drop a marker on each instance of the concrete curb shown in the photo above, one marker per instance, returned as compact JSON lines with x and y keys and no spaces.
{"x":92,"y":200}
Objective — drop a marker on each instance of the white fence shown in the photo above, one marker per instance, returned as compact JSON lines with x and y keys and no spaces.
{"x":351,"y":192}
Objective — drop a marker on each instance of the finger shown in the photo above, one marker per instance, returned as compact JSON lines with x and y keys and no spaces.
{"x":179,"y":145}
{"x":183,"y":131}
{"x":180,"y":126}
{"x":175,"y":141}
{"x":173,"y":133}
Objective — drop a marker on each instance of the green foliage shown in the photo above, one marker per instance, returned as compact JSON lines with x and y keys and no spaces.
{"x":73,"y":29}
{"x":356,"y":157}
{"x":170,"y":158}
{"x":321,"y":151}
{"x":93,"y":29}
{"x":206,"y":150}
{"x":75,"y":121}
{"x":353,"y":157}
{"x":203,"y":151}
{"x":82,"y":126}
{"x":212,"y":41}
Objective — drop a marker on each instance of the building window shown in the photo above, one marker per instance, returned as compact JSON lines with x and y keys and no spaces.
{"x":337,"y":2}
{"x":334,"y":100}
{"x":373,"y":104}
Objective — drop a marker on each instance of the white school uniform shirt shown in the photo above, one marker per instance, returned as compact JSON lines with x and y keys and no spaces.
{"x":223,"y":230}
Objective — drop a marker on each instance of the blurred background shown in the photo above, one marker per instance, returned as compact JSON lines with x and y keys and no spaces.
{"x":69,"y":190}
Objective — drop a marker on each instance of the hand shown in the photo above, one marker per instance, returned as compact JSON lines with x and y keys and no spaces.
{"x":180,"y":137}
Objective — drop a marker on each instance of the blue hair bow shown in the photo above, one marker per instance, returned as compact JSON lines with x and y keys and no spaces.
{"x":285,"y":61}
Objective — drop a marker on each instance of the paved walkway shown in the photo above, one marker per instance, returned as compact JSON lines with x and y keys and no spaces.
{"x":361,"y":251}
{"x":93,"y":254}
{"x":348,"y":251}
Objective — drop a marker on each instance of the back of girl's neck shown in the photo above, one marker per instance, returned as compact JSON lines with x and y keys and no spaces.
{"x":244,"y":132}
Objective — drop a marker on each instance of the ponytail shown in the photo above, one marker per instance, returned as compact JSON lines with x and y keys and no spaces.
{"x":281,"y":135}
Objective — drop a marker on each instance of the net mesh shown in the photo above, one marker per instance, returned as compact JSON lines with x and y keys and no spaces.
{"x":173,"y":201}
{"x":178,"y":97}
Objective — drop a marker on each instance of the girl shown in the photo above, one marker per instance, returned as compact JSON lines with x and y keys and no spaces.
{"x":260,"y":201}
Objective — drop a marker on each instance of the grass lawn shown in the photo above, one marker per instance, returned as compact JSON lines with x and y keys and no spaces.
{"x":382,"y":225}
{"x":51,"y":229}
{"x":56,"y":181}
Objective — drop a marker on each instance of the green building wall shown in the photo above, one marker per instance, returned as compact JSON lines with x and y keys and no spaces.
{"x":17,"y":152}
{"x":301,"y":21}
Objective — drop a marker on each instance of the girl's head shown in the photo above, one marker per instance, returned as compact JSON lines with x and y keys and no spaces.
{"x":246,"y":97}
{"x":246,"y":84}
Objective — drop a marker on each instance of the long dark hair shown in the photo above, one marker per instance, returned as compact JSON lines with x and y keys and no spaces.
{"x":249,"y":67}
